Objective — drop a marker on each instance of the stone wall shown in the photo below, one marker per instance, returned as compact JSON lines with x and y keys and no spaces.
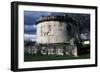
{"x":52,"y":32}
{"x":52,"y":49}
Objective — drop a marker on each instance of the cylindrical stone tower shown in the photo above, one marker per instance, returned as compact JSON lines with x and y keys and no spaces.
{"x":56,"y":35}
{"x":52,"y":29}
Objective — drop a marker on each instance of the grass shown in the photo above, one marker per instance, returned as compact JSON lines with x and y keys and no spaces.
{"x":29,"y":57}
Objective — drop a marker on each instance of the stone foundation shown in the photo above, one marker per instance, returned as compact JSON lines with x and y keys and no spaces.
{"x":52,"y":49}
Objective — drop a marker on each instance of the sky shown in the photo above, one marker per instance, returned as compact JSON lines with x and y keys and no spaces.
{"x":30,"y":27}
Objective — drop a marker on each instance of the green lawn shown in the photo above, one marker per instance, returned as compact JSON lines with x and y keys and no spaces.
{"x":29,"y":57}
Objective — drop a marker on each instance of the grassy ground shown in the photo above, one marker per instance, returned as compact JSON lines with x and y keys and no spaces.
{"x":29,"y":57}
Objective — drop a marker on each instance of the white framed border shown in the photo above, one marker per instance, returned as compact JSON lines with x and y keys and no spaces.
{"x":37,"y":64}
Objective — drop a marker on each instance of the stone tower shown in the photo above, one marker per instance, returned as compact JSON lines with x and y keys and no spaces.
{"x":52,"y":29}
{"x":57,"y":30}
